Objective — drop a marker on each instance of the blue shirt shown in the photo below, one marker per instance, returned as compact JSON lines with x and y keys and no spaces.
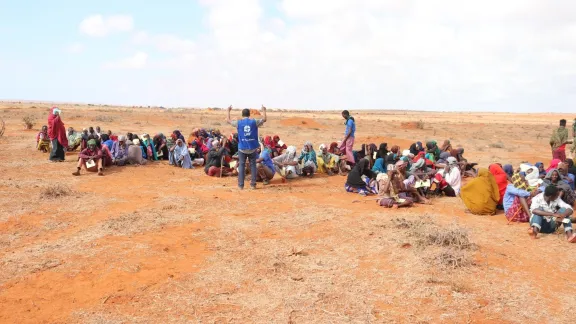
{"x":571,"y":176}
{"x":267,"y":160}
{"x":510,"y":194}
{"x":350,"y":127}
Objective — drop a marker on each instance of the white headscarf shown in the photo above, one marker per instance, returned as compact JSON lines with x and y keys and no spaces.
{"x":533,"y":177}
{"x":322,"y":147}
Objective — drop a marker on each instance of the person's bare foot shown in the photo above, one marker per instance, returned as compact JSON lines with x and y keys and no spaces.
{"x":532,"y":233}
{"x":395,"y":206}
{"x":100,"y":173}
{"x":572,"y":239}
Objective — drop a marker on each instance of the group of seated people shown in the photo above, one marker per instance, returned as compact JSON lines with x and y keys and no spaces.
{"x":529,"y":193}
{"x":401,"y":178}
{"x":544,"y":197}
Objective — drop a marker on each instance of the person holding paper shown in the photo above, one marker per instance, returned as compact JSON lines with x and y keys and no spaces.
{"x":90,"y":158}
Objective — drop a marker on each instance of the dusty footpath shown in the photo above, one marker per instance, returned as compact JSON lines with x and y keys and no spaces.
{"x":156,"y":244}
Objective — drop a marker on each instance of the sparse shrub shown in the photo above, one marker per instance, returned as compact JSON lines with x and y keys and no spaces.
{"x":103,"y":118}
{"x":497,"y":145}
{"x":452,"y":258}
{"x":54,"y":191}
{"x":420,"y":124}
{"x":28,"y":121}
{"x":216,"y":124}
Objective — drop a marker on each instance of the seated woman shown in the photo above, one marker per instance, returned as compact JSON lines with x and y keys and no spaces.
{"x":343,"y":167}
{"x":388,"y":191}
{"x":432,"y":151}
{"x":196,"y":155}
{"x":120,"y":151}
{"x":265,"y":166}
{"x":106,"y":154}
{"x":416,"y":148}
{"x":232,"y":144}
{"x":407,"y":182}
{"x":541,"y":169}
{"x":308,"y":160}
{"x":554,"y":178}
{"x":379,"y":166}
{"x":91,"y":159}
{"x":327,"y":162}
{"x":74,"y":140}
{"x":443,"y":160}
{"x":286,"y":164}
{"x":422,"y":175}
{"x":105,"y":140}
{"x":382,"y":151}
{"x":135,"y":153}
{"x":43,"y":140}
{"x":148,"y":148}
{"x":481,"y":194}
{"x":179,"y":155}
{"x":371,"y":152}
{"x":356,"y":184}
{"x":501,"y":180}
{"x":442,"y":187}
{"x":279,"y":146}
{"x":392,"y":157}
{"x":160,"y":144}
{"x":359,"y":154}
{"x":518,"y":195}
{"x":446,"y":146}
{"x":509,"y":170}
{"x":216,"y":165}
{"x":467,"y":169}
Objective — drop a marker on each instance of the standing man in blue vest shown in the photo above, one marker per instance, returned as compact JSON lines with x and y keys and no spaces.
{"x":247,"y":144}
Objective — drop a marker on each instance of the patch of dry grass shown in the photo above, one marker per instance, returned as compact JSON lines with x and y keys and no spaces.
{"x":104,"y":119}
{"x":54,"y":191}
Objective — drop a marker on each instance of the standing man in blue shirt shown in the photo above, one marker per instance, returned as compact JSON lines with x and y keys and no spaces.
{"x":248,"y":144}
{"x":347,"y":145}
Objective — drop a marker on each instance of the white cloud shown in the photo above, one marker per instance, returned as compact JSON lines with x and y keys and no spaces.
{"x":100,"y":26}
{"x":164,"y":42}
{"x":137,"y":61}
{"x":412,"y":54}
{"x":75,"y":48}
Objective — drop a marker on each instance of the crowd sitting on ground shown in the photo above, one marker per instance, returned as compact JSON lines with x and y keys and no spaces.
{"x":542,"y":196}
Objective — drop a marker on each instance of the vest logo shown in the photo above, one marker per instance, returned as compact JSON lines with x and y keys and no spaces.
{"x":247,"y":130}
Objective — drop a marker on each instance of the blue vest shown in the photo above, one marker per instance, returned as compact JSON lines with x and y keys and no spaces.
{"x":247,"y":134}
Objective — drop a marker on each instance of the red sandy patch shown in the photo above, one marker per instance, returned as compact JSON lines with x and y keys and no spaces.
{"x":301,"y":122}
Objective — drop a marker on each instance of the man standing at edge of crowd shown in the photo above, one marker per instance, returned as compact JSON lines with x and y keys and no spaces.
{"x":558,"y":141}
{"x":247,"y":144}
{"x":347,"y":145}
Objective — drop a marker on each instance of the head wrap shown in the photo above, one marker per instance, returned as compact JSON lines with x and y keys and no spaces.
{"x":122,"y":138}
{"x":322,"y":147}
{"x":215,"y":142}
{"x":509,"y":169}
{"x":291,"y":149}
{"x":92,"y":142}
{"x":451,"y":160}
{"x":136,"y":141}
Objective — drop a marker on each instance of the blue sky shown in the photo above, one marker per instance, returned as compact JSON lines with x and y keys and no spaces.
{"x":304,"y":54}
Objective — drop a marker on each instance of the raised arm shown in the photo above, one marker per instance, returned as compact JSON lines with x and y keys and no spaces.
{"x":228,"y":119}
{"x":264,"y":112}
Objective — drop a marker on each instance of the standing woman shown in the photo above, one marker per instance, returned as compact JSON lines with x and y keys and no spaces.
{"x":57,"y":134}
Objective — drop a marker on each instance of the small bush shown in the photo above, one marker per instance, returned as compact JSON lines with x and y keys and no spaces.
{"x":56,"y":191}
{"x":420,"y":124}
{"x":28,"y":121}
{"x":103,"y":118}
{"x":452,"y":259}
{"x":497,"y":145}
